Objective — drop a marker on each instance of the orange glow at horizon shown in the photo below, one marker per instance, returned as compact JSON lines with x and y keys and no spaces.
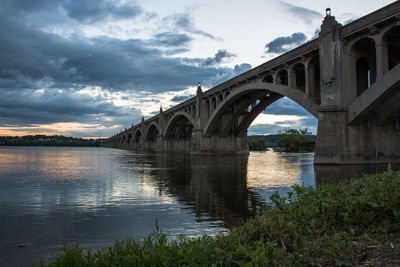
{"x":65,"y":128}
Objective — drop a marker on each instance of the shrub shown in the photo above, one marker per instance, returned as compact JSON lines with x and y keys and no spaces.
{"x":292,"y":140}
{"x":258,"y":144}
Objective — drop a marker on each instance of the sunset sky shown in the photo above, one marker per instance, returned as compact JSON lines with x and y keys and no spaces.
{"x":91,"y":68}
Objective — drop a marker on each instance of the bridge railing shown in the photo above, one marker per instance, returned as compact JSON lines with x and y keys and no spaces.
{"x":364,"y":23}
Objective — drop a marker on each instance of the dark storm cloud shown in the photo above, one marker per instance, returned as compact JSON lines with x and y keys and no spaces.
{"x":41,"y":72}
{"x":82,"y":11}
{"x":174,"y":51}
{"x":285,"y":43}
{"x":170,"y":39}
{"x":218,"y":57}
{"x":30,"y":56}
{"x":89,"y":11}
{"x":27,"y":107}
{"x":304,"y":14}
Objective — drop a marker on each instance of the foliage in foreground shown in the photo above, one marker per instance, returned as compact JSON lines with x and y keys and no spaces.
{"x":258,"y":144}
{"x":356,"y":223}
{"x":292,"y":140}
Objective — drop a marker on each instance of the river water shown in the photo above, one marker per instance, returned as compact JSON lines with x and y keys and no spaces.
{"x":51,"y":195}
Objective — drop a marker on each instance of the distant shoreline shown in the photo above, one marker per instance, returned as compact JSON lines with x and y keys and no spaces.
{"x":44,"y":140}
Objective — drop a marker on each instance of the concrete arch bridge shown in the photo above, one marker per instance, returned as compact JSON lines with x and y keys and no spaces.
{"x":348,"y":78}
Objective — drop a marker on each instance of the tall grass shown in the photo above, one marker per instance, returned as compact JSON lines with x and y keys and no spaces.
{"x":352,"y":223}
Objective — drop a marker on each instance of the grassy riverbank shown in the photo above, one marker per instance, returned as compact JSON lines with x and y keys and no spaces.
{"x":356,"y":223}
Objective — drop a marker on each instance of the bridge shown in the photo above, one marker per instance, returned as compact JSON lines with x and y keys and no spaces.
{"x":348,"y":78}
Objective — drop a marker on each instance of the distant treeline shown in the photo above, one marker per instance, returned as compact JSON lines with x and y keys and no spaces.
{"x":270,"y":139}
{"x":45,"y":140}
{"x":289,"y":140}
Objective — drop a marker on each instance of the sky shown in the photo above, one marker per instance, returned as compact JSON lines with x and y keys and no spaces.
{"x":90,"y":68}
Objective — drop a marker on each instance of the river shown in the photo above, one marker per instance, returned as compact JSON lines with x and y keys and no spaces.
{"x":51,"y":195}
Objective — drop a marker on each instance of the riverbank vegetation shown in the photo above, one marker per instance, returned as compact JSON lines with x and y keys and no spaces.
{"x":293,"y":140}
{"x":258,"y":144}
{"x":44,"y":140}
{"x":356,"y":222}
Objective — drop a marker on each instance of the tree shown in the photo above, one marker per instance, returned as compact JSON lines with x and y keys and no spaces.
{"x":292,"y":140}
{"x":258,"y":144}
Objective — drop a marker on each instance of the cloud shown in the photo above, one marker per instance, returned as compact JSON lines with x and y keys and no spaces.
{"x":305,"y":15}
{"x":279,"y":123}
{"x":84,"y":11}
{"x":184,"y":22}
{"x":181,"y":98}
{"x":88,"y":11}
{"x":285,"y":106}
{"x":45,"y":75}
{"x":225,"y":74}
{"x":285,"y":43}
{"x":26,"y":107}
{"x":218,"y":57}
{"x":316,"y":34}
{"x":170,"y":39}
{"x":30,"y":56}
{"x":347,"y":18}
{"x":239,"y":69}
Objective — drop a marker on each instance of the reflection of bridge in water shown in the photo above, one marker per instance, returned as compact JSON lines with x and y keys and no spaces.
{"x":215,"y":188}
{"x":348,"y":78}
{"x":229,"y":188}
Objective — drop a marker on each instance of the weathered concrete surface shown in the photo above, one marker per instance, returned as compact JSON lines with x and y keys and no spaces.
{"x":348,"y":78}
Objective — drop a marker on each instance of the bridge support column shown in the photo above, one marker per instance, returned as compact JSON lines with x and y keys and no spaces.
{"x":332,"y":136}
{"x":196,"y":141}
{"x":224,"y":145}
{"x":339,"y":142}
{"x":159,"y":144}
{"x":382,"y":63}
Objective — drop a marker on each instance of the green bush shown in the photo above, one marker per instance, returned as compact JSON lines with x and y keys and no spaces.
{"x":353,"y":223}
{"x":258,"y":144}
{"x":292,"y":140}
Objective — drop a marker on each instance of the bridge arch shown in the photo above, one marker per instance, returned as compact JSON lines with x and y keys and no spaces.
{"x":282,"y":77}
{"x":391,"y":41}
{"x":364,"y":53}
{"x":313,"y":86}
{"x":256,"y":96}
{"x":138,"y":136}
{"x":269,"y":78}
{"x":129,"y":140}
{"x":299,"y":72}
{"x":179,"y":126}
{"x":152,"y":132}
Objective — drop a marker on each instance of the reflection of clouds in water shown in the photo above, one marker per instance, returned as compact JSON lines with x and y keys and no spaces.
{"x":269,"y":172}
{"x":51,"y":195}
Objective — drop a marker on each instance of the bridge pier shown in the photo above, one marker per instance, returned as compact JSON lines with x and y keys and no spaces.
{"x":339,"y":142}
{"x":223,"y":145}
{"x":332,"y":136}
